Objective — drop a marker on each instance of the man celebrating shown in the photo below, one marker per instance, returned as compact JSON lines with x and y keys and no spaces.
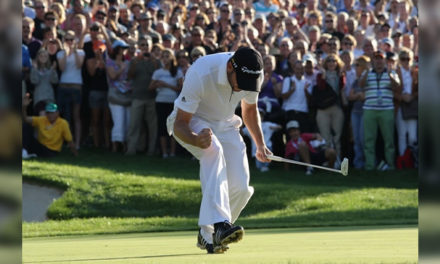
{"x":203,"y":122}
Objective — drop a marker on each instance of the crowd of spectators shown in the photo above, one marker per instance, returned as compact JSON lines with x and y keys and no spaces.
{"x":345,"y":70}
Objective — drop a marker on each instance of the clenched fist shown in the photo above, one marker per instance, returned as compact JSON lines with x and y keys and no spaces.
{"x":204,"y":138}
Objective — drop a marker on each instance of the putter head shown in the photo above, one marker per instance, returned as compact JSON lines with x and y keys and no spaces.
{"x":344,"y":167}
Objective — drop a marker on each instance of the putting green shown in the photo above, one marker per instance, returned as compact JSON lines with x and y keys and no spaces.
{"x":386,"y":244}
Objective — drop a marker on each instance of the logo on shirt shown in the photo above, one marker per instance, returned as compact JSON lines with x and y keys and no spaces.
{"x":184,"y":99}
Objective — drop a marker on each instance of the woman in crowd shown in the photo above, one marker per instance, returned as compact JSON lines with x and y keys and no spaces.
{"x":118,"y":94}
{"x":70,"y":61}
{"x":356,"y":96}
{"x":43,"y":76}
{"x":327,"y":97}
{"x":167,"y":81}
{"x":270,"y":94}
{"x":406,"y":124}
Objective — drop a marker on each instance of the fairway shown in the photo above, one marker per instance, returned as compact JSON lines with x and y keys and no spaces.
{"x":376,"y":244}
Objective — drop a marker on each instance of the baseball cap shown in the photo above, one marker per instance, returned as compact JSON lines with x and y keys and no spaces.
{"x":309,"y":57}
{"x":388,"y":41}
{"x":119,"y":43}
{"x":145,"y":16}
{"x":169,"y":37}
{"x":292,"y":124}
{"x":391,"y":56}
{"x":248,"y":66}
{"x":98,"y":44}
{"x":51,"y":108}
{"x":379,"y":53}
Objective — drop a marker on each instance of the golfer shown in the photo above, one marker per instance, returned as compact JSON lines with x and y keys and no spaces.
{"x":203,"y":122}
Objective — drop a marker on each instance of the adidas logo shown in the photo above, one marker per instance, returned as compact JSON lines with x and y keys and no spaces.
{"x":183,"y":99}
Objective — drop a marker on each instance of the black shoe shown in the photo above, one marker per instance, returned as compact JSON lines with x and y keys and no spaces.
{"x":203,"y":244}
{"x":225,"y":233}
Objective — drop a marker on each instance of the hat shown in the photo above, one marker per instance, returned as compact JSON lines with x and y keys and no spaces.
{"x":161,"y":12}
{"x":309,"y":57}
{"x":168,"y":37}
{"x":292,"y":124}
{"x":119,"y":43}
{"x":113,"y":8}
{"x":388,"y":41}
{"x":153,"y":6}
{"x":385,"y":25}
{"x":260,"y":16}
{"x":391,"y":55}
{"x":100,"y":12}
{"x":397,"y":33}
{"x":379,"y":53}
{"x":51,"y":108}
{"x":145,"y":16}
{"x":99,"y":45}
{"x":248,"y":66}
{"x":95,"y":26}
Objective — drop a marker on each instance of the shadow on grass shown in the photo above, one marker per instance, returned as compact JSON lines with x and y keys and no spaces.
{"x":114,"y":259}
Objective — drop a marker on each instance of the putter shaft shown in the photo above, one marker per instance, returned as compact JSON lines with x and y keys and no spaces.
{"x":276,"y":158}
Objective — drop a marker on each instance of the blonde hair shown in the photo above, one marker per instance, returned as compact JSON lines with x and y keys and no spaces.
{"x":363,"y":61}
{"x":339,"y":62}
{"x":61,"y":12}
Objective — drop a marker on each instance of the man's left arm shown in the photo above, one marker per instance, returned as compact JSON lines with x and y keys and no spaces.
{"x":251,"y":119}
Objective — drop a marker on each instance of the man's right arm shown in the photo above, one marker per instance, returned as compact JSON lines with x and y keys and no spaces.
{"x":184,"y":132}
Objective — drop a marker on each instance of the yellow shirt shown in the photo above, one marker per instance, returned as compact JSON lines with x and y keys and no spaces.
{"x":52,"y":135}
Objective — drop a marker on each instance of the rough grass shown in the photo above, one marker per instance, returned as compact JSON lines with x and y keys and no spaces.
{"x":111,"y":193}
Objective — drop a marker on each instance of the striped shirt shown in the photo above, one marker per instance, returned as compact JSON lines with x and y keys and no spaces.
{"x":378,"y":92}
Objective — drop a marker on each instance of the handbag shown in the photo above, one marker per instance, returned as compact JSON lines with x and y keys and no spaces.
{"x":410,"y":110}
{"x":115,"y":96}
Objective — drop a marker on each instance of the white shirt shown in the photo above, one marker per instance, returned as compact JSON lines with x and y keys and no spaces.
{"x":165,"y":94}
{"x":350,"y":77}
{"x":206,"y":91}
{"x":71,"y":73}
{"x":406,"y":80}
{"x":297,"y":100}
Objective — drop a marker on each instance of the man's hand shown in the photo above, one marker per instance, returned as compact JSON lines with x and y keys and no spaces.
{"x":204,"y":139}
{"x":262,"y":153}
{"x":26,"y":100}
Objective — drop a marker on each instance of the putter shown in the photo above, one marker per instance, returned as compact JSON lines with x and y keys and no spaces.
{"x":343,"y":170}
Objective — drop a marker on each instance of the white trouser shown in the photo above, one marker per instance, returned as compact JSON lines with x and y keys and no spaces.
{"x":121,"y":119}
{"x":224,"y":173}
{"x":405,"y":127}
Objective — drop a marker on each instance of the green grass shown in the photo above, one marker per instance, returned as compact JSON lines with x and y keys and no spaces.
{"x":358,"y":245}
{"x":112,"y":193}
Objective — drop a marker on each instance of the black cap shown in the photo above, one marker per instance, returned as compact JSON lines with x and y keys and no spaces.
{"x":248,"y":66}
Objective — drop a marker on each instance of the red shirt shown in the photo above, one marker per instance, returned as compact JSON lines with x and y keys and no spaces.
{"x":292,"y":146}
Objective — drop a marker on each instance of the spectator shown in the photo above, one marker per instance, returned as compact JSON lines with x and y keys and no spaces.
{"x":143,"y":107}
{"x":183,"y":61}
{"x":369,"y":46}
{"x":28,"y":40}
{"x":167,"y":82}
{"x":118,"y":94}
{"x":268,"y":129}
{"x":330,"y":25}
{"x":366,"y":25}
{"x":146,"y":21}
{"x":299,"y":147}
{"x":60,"y":13}
{"x":286,"y":46}
{"x":294,"y":98}
{"x":51,"y":130}
{"x":197,"y":35}
{"x":327,"y":98}
{"x":98,"y":89}
{"x":113,"y":22}
{"x":224,"y":21}
{"x":70,"y":61}
{"x":268,"y":99}
{"x":124,"y":17}
{"x":314,"y":36}
{"x":197,"y":52}
{"x":406,"y":122}
{"x":40,"y":9}
{"x":378,"y":85}
{"x":356,"y":96}
{"x":43,"y":76}
{"x":51,"y":21}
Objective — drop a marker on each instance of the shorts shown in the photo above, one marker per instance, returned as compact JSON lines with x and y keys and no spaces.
{"x":67,"y":94}
{"x":98,"y":99}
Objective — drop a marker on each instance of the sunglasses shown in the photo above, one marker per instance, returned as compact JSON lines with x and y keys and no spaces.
{"x":329,"y":21}
{"x":348,"y":43}
{"x":143,"y":45}
{"x":50,"y":19}
{"x":225,"y":11}
{"x":331,"y":61}
{"x":404,"y":59}
{"x":94,"y":29}
{"x":68,"y":39}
